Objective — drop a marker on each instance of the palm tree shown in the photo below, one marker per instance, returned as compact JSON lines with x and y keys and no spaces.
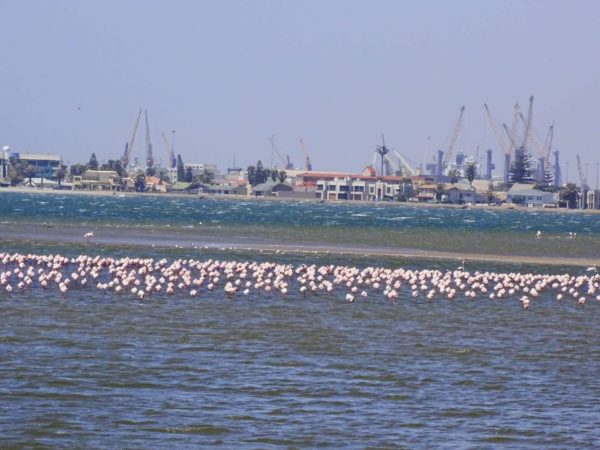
{"x":61,"y":173}
{"x":453,"y":175}
{"x":569,"y":193}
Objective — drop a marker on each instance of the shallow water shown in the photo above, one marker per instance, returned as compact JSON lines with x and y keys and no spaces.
{"x":106,"y":371}
{"x":96,"y":370}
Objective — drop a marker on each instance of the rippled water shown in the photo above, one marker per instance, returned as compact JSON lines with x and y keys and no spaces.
{"x":97,"y":370}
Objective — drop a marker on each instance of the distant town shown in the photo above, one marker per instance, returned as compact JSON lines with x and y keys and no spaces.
{"x":527,"y":180}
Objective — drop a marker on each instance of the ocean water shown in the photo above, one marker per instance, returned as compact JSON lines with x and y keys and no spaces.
{"x":104,"y":370}
{"x":145,"y":220}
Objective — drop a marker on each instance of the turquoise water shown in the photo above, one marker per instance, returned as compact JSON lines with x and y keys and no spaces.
{"x":104,"y":370}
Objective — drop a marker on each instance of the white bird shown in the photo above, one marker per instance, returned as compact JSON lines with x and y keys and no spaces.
{"x":89,"y":235}
{"x":592,"y":269}
{"x":538,"y":234}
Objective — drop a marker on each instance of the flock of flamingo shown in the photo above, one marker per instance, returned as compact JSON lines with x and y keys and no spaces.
{"x":145,"y":279}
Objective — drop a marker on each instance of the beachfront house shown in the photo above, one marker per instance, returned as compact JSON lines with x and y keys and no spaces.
{"x":459,"y":193}
{"x":222,"y":189}
{"x":98,"y":180}
{"x":270,"y":188}
{"x":528,"y":196}
{"x":45,"y":165}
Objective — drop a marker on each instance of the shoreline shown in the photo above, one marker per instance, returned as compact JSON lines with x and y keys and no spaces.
{"x":200,"y":197}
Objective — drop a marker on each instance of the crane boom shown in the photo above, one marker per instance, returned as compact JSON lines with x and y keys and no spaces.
{"x":129,"y":146}
{"x":528,"y":123}
{"x":307,"y":164}
{"x":499,"y":138}
{"x":534,"y":138}
{"x":582,"y":179}
{"x":278,"y":153}
{"x":548,"y":142}
{"x":149,"y":155}
{"x":454,"y":137}
{"x":514,"y":130}
{"x":171,"y":161}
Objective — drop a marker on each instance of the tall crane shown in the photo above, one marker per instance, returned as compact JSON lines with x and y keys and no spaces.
{"x":307,"y":164}
{"x":528,"y":123}
{"x":548,"y":142}
{"x":514,"y":129}
{"x":126,"y":158}
{"x":543,"y":149}
{"x":149,"y":155}
{"x":582,"y":178}
{"x":504,"y":148}
{"x":449,"y":148}
{"x":171,"y":161}
{"x":286,"y":163}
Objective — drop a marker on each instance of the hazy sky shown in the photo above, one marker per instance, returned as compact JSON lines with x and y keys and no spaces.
{"x":226,"y":75}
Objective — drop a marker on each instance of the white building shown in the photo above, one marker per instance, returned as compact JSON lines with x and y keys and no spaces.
{"x":357,"y":189}
{"x":530,"y":197}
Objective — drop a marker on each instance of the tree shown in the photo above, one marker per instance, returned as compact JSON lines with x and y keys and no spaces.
{"x":274,"y":174}
{"x":15,"y":172}
{"x":93,"y":164}
{"x":260,"y":175}
{"x":150,"y":171}
{"x":569,"y":193}
{"x":453,"y":175}
{"x":520,"y":169}
{"x":61,"y":173}
{"x":29,"y":172}
{"x":470,"y":172}
{"x":140,"y":182}
{"x":189,"y":175}
{"x":207,"y":177}
{"x":548,"y":177}
{"x":251,"y":175}
{"x":180,"y":169}
{"x":77,"y":169}
{"x":282,"y":176}
{"x":439,"y":190}
{"x":491,"y":197}
{"x":116,"y":165}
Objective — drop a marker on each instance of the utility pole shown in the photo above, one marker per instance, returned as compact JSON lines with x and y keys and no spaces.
{"x":173,"y":141}
{"x":567,"y":174}
{"x":597,"y":165}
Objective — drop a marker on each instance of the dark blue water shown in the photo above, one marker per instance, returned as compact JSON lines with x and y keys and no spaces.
{"x":102,"y":370}
{"x":193,"y":211}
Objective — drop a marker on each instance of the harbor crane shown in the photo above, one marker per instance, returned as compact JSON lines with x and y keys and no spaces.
{"x":583,"y":184}
{"x":582,"y":178}
{"x":450,"y":147}
{"x":514,"y":129}
{"x":287,"y":164}
{"x":171,"y":161}
{"x":307,"y":164}
{"x":149,"y":155}
{"x":126,"y":158}
{"x":392,"y":162}
{"x":504,"y":148}
{"x":528,"y":124}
